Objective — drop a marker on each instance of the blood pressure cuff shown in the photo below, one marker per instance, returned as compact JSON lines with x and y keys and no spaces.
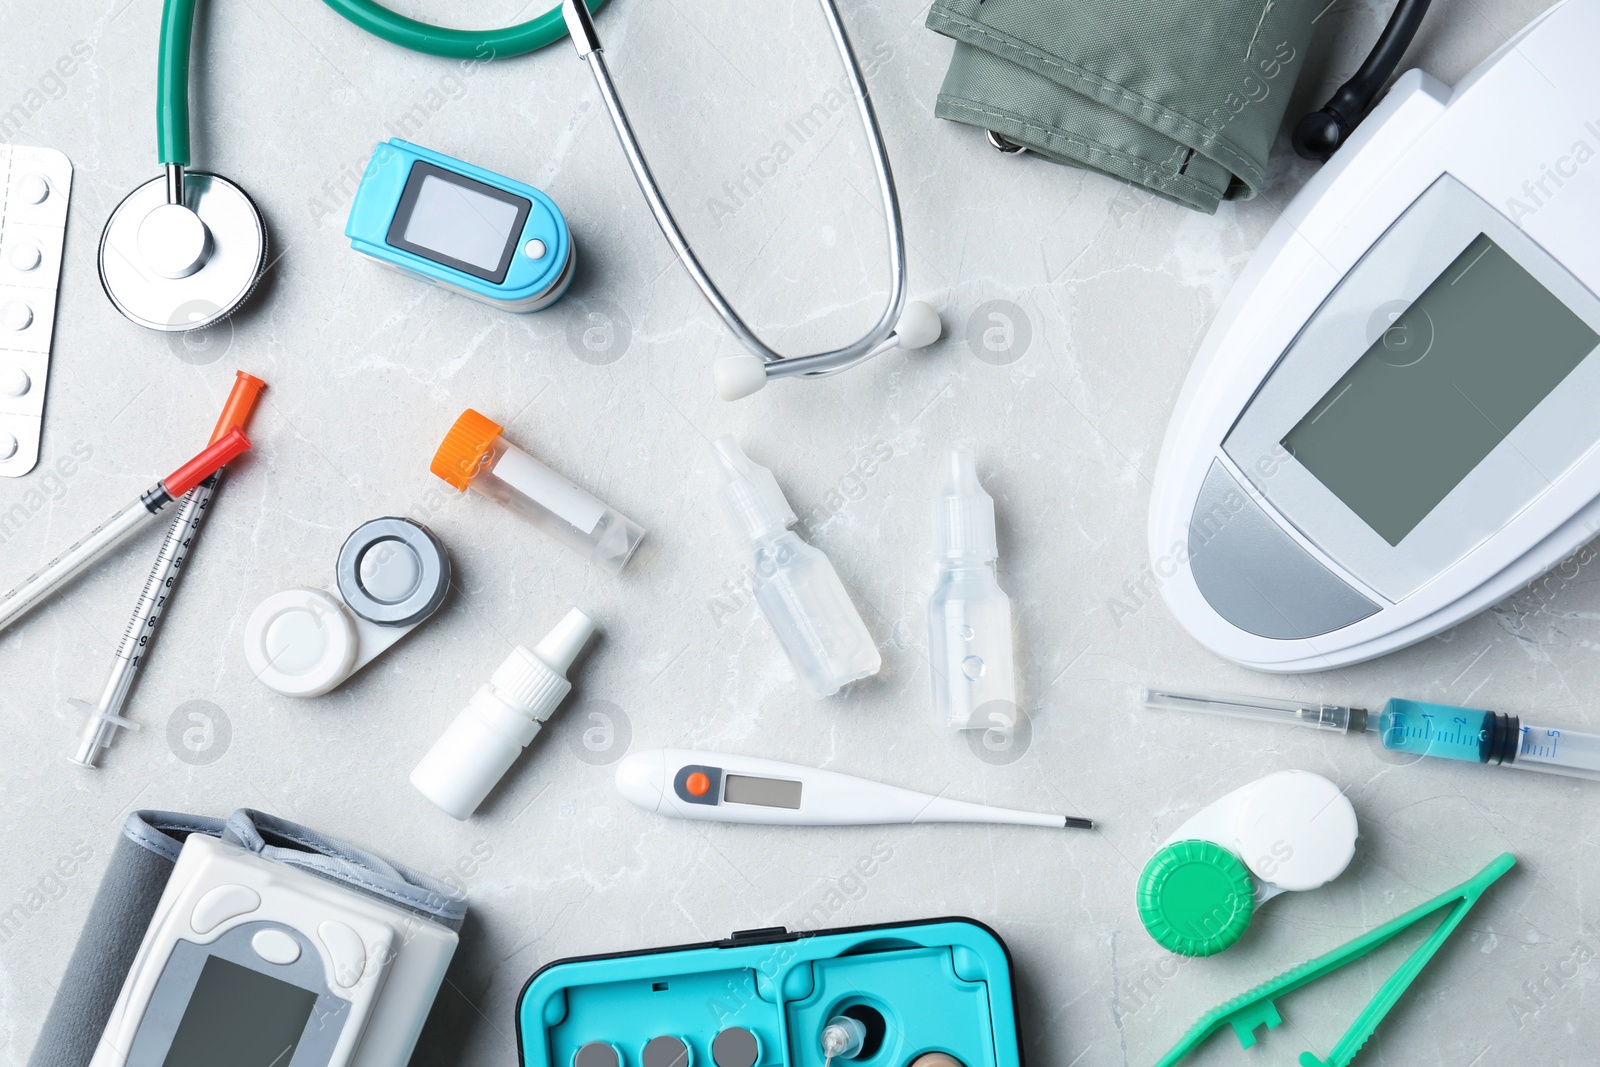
{"x":1183,"y":97}
{"x":140,"y":867}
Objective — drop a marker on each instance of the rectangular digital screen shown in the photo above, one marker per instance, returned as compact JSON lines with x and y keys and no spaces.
{"x":458,"y":221}
{"x":241,"y":1018}
{"x":762,"y":792}
{"x":1445,"y":382}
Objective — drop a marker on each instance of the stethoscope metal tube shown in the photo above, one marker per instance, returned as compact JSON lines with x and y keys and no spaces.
{"x":899,"y":326}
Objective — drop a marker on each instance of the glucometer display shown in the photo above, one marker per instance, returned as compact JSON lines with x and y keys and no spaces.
{"x":458,"y":221}
{"x":240,"y":1017}
{"x":763,"y":792}
{"x":1449,"y":378}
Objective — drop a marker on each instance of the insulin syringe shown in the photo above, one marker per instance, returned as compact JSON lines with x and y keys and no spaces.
{"x":104,"y":717}
{"x":1418,"y":728}
{"x":133,"y":516}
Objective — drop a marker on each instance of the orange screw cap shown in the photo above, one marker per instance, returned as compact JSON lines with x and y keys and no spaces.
{"x":464,"y":448}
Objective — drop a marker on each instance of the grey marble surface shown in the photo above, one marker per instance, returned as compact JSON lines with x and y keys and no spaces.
{"x":1109,"y":292}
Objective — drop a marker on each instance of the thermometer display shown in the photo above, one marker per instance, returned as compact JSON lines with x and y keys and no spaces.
{"x":766,"y":792}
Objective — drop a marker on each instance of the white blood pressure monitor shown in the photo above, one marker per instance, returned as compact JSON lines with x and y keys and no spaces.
{"x":247,"y":961}
{"x":1393,"y":422}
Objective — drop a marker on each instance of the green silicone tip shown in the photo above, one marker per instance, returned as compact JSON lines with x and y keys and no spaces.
{"x":1195,"y":898}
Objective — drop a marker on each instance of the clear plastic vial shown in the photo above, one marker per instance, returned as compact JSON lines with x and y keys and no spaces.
{"x":969,"y":616}
{"x":795,"y":584}
{"x":474,"y":456}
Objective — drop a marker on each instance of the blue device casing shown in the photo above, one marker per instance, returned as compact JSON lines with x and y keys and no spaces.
{"x":939,"y":985}
{"x":528,"y":283}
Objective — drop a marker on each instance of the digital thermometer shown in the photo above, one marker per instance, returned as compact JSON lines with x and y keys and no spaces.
{"x":461,"y":227}
{"x":1391,"y":424}
{"x":248,"y":961}
{"x":711,"y":787}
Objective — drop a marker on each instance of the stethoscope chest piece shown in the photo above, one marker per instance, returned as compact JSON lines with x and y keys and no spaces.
{"x":186,"y":261}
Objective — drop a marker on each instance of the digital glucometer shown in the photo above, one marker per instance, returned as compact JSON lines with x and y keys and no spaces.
{"x":1391,"y":425}
{"x":461,"y":227}
{"x":249,"y":961}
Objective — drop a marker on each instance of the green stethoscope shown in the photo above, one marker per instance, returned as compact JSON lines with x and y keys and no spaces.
{"x":185,"y":250}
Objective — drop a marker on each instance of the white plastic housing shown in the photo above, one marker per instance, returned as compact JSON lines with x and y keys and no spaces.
{"x":827,"y":798}
{"x":1525,"y":114}
{"x":386,"y":962}
{"x":1294,"y":830}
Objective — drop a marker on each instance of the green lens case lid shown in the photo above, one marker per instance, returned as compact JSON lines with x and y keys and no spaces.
{"x":1195,"y":898}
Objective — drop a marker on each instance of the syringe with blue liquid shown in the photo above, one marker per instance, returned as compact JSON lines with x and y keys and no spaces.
{"x":1418,"y":728}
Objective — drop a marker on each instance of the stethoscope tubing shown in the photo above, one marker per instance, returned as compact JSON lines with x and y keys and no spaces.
{"x":881,"y":337}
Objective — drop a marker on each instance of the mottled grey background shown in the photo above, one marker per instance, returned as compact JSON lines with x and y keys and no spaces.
{"x":1111,"y":291}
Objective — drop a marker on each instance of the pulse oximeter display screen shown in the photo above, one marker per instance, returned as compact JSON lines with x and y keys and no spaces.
{"x":458,"y":222}
{"x":241,"y":1018}
{"x":1445,"y":382}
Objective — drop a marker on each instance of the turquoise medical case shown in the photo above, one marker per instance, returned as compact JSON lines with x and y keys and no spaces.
{"x":935,"y":985}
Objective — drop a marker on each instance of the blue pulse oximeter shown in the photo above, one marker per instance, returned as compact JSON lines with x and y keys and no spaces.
{"x":461,"y":227}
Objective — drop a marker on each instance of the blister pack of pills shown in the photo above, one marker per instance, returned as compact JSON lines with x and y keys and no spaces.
{"x":35,"y":184}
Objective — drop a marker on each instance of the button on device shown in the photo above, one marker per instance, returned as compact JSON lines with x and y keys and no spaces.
{"x":348,"y":952}
{"x":534,"y":249}
{"x":735,"y":1047}
{"x":597,"y":1054}
{"x":17,"y":315}
{"x":221,"y":904}
{"x":275,"y":946}
{"x":665,"y":1052}
{"x":697,"y":785}
{"x":25,"y":256}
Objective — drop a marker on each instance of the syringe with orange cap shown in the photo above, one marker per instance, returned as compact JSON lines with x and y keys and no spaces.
{"x":105,"y":716}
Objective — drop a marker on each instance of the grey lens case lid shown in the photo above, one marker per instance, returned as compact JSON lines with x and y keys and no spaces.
{"x":393,"y":572}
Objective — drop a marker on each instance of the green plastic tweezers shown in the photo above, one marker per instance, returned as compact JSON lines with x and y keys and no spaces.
{"x":1257,"y":1008}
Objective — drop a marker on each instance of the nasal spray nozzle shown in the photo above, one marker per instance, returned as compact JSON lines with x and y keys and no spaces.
{"x":843,"y":1038}
{"x":483,"y":742}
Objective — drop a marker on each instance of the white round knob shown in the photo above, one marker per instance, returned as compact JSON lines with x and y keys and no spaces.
{"x":25,"y":256}
{"x":32,"y":188}
{"x":919,"y":325}
{"x":17,"y":316}
{"x":173,"y":241}
{"x":739,"y":376}
{"x":14,"y":381}
{"x":534,"y":249}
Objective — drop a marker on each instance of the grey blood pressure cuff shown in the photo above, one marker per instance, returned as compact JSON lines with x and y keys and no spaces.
{"x":1183,"y":97}
{"x":140,"y":866}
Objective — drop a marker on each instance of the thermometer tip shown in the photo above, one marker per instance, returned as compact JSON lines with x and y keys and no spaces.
{"x":1075,"y":823}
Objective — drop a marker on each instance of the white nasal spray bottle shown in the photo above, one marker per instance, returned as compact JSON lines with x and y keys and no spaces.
{"x":503,"y":717}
